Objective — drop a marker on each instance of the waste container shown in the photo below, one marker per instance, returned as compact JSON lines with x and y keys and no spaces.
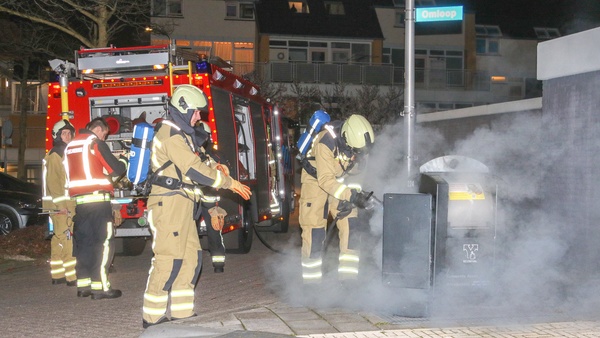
{"x":445,"y":235}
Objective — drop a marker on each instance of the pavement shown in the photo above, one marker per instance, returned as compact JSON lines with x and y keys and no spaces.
{"x":280,"y":320}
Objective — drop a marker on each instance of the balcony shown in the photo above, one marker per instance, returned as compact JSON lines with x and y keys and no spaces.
{"x":477,"y":87}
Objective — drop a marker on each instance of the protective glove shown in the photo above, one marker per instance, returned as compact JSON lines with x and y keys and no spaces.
{"x":344,"y":209}
{"x":217,"y":217}
{"x":361,"y":199}
{"x":240,"y":189}
{"x":222,"y":168}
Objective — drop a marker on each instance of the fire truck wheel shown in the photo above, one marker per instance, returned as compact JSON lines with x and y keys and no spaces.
{"x":243,"y":236}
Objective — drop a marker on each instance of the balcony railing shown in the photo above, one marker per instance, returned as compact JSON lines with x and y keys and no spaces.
{"x":383,"y":75}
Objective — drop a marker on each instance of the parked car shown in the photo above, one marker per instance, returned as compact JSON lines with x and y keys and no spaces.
{"x":20,"y":204}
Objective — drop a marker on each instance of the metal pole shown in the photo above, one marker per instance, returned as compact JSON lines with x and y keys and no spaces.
{"x":409,"y":91}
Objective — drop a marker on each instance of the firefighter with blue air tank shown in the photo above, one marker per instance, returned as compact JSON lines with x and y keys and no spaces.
{"x":176,"y":191}
{"x":333,"y":153}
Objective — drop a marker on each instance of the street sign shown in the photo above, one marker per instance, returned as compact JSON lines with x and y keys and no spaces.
{"x":449,"y":13}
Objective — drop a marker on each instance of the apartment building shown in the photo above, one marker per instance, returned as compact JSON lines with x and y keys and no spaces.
{"x":488,"y":57}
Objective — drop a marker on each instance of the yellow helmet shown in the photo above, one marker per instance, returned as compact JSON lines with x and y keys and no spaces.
{"x":188,"y":97}
{"x":357,"y":132}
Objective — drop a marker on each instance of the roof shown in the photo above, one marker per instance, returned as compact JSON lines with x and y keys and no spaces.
{"x":275,"y":17}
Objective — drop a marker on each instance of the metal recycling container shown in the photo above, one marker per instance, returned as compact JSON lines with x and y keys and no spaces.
{"x":445,"y":235}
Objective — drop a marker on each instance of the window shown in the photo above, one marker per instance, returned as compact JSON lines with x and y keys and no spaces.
{"x":246,"y":11}
{"x":334,"y":7}
{"x":299,"y":6}
{"x":487,"y":46}
{"x":361,"y":52}
{"x":400,"y":17}
{"x":488,"y":31}
{"x":166,"y":8}
{"x":546,"y":33}
{"x":231,"y":10}
{"x":237,"y":10}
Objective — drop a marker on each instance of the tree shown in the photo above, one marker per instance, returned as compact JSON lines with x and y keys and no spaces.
{"x":25,"y":49}
{"x":94,"y":23}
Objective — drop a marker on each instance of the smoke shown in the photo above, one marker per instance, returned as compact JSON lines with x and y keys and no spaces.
{"x":533,"y":272}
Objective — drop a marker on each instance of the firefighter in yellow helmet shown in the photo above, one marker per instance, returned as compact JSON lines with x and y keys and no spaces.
{"x":56,"y":200}
{"x":332,"y":156}
{"x":177,"y":260}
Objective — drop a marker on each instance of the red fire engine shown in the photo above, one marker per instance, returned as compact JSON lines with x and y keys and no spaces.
{"x":126,"y":85}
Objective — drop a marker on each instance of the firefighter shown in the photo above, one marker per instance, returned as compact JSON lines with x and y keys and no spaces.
{"x":56,"y":200}
{"x":214,"y":216}
{"x":177,"y":260}
{"x":87,"y":158}
{"x":333,"y":154}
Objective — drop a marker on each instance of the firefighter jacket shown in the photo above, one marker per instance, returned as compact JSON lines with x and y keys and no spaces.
{"x":56,"y":195}
{"x":89,"y":163}
{"x":332,"y":159}
{"x":170,"y":144}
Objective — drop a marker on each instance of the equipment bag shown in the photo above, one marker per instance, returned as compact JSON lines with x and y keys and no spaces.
{"x":139,"y":156}
{"x":317,"y":121}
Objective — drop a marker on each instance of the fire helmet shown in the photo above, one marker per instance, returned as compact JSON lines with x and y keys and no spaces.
{"x":60,"y":126}
{"x":187,"y":98}
{"x":357,"y":132}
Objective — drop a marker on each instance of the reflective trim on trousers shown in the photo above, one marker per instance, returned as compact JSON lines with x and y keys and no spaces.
{"x":348,"y":266}
{"x":105,"y":256}
{"x":154,"y":311}
{"x":84,"y":283}
{"x":311,"y":270}
{"x":218,"y":259}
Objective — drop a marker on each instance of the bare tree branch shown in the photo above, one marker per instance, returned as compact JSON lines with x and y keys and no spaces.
{"x":94,"y":23}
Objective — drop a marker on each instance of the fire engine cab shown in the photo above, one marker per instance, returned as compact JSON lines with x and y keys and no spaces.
{"x":134,"y":84}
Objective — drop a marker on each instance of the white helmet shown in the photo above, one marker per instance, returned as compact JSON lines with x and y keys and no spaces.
{"x":357,"y":132}
{"x":60,"y":126}
{"x":187,"y":98}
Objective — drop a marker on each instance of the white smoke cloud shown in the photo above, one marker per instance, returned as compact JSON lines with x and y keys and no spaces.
{"x":531,"y":246}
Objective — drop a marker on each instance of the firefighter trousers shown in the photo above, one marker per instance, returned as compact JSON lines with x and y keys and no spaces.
{"x":62,"y":262}
{"x":93,"y":245}
{"x":215,"y":239}
{"x":177,"y":260}
{"x":315,"y":206}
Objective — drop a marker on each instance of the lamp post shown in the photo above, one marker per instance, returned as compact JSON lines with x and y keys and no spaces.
{"x":409,"y":92}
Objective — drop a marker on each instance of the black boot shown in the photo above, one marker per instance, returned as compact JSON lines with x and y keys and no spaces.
{"x":146,"y":324}
{"x":62,"y":280}
{"x":84,"y":293}
{"x":112,"y":293}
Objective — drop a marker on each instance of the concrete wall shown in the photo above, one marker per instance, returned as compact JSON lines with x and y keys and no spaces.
{"x":570,"y":68}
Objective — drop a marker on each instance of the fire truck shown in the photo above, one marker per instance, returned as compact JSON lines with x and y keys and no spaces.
{"x":129,"y":85}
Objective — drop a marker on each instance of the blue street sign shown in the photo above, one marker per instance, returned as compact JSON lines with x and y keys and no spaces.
{"x":450,"y":13}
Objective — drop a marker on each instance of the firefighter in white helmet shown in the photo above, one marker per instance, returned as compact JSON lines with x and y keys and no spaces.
{"x":56,"y":200}
{"x":333,"y":154}
{"x":177,"y":259}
